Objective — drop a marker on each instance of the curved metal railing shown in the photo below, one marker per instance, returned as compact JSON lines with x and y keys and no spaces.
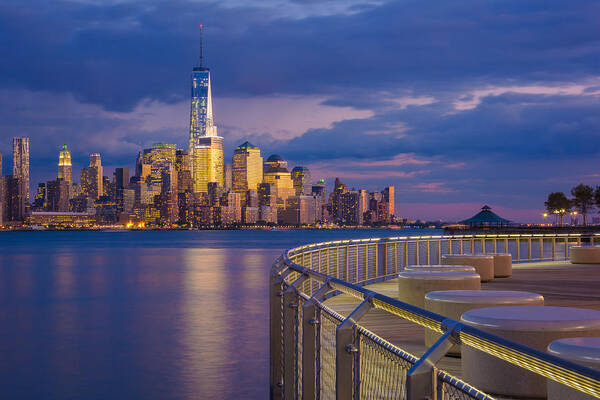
{"x":317,"y":353}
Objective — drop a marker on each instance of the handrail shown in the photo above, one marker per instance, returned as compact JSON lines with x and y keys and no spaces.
{"x":566,"y":372}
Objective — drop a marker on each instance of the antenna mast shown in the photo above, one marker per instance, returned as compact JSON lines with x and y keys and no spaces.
{"x":200,"y":45}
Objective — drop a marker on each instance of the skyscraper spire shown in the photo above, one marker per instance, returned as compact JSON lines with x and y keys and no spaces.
{"x":200,"y":45}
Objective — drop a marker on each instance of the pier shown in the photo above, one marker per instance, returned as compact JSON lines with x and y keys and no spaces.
{"x":339,"y":330}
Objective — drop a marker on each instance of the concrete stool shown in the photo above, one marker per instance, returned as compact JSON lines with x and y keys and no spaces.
{"x":483,"y":264}
{"x":440,"y":268}
{"x":584,"y":254}
{"x":453,"y":303}
{"x":414,"y":285}
{"x":582,"y":350}
{"x":535,"y":327}
{"x":502,"y":264}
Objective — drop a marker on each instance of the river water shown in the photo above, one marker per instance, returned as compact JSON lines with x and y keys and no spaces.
{"x":141,"y":315}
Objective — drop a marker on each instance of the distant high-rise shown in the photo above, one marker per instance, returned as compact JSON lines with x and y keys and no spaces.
{"x":205,"y":147}
{"x":64,"y":165}
{"x":92,"y":184}
{"x":227,"y":177}
{"x":21,"y":163}
{"x":160,"y":157}
{"x":121,"y":176}
{"x":302,"y":181}
{"x":247,"y":169}
{"x":275,"y":172}
{"x":389,"y":198}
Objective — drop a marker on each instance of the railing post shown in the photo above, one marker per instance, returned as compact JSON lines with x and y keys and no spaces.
{"x":427,"y":251}
{"x":346,"y":252}
{"x":420,"y":379}
{"x":482,"y":245}
{"x":382,"y":257}
{"x":449,"y":246}
{"x":566,"y":247}
{"x":311,"y":322}
{"x":290,"y":334}
{"x":472,"y":246}
{"x":553,"y":248}
{"x":529,"y":249}
{"x":417,"y":252}
{"x":541,"y":249}
{"x":495,"y":245}
{"x":506,"y":245}
{"x":395,"y":258}
{"x":518,"y":249}
{"x":347,"y":354}
{"x":276,"y":344}
{"x":405,"y":255}
{"x":438,"y":250}
{"x":461,"y":247}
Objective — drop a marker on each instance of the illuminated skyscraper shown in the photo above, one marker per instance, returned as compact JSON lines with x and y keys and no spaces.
{"x":205,"y":148}
{"x":247,"y":169}
{"x":21,"y":163}
{"x":91,"y":178}
{"x":160,"y":157}
{"x":64,"y":165}
{"x":302,"y":181}
{"x":275,"y":172}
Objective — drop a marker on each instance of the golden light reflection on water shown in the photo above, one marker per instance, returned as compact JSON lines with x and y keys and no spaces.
{"x":64,"y":278}
{"x":206,"y":331}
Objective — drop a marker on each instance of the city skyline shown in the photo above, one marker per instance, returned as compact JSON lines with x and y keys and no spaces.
{"x":451,"y":131}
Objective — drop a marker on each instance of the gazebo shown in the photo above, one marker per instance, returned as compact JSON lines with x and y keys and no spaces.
{"x":486,"y":218}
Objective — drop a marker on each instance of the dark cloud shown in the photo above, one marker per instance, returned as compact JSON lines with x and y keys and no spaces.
{"x":116,"y":55}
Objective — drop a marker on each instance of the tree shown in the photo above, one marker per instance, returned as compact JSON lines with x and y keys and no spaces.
{"x":583,"y":200}
{"x":558,"y":204}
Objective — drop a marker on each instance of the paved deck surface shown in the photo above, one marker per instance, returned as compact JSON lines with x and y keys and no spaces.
{"x":561,"y":284}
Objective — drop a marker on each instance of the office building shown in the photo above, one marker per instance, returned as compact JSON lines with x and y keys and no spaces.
{"x":57,"y":195}
{"x":64,"y":166}
{"x":227,"y":177}
{"x":205,"y":146}
{"x":302,"y":181}
{"x":158,"y":159}
{"x":247,"y":169}
{"x":15,"y":199}
{"x":20,"y":169}
{"x":389,"y":198}
{"x":275,"y":172}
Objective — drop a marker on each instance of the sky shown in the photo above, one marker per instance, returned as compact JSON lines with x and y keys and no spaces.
{"x":455,"y":103}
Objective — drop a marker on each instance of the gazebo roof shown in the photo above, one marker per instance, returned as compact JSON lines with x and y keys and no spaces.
{"x":485,"y":216}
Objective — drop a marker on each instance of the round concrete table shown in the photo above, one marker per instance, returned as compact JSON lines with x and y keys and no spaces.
{"x":584,"y":254}
{"x":414,"y":285}
{"x":535,"y":327}
{"x":453,"y":303}
{"x":483,"y":264}
{"x":502,"y":264}
{"x":581,"y":350}
{"x":440,"y":268}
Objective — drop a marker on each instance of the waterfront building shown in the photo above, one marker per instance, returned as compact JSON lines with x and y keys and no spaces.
{"x":302,"y":181}
{"x":349,"y":212}
{"x":57,"y":195}
{"x":276,"y":173}
{"x":389,"y":197}
{"x":268,"y":214}
{"x":364,"y":200}
{"x":205,"y":146}
{"x":166,"y":201}
{"x":247,"y":169}
{"x":250,"y":215}
{"x":109,"y":189}
{"x":335,"y":199}
{"x":299,"y":210}
{"x":20,"y":169}
{"x":207,"y":162}
{"x":64,"y":166}
{"x":267,"y":195}
{"x":159,"y":158}
{"x":15,"y":199}
{"x":65,"y":219}
{"x":320,"y":190}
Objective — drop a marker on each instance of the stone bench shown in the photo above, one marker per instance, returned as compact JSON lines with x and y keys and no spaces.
{"x":582,"y":350}
{"x":502,"y":264}
{"x":584,"y":254}
{"x":440,"y":268}
{"x":414,"y":285}
{"x":453,"y":303}
{"x":535,"y":327}
{"x":483,"y":264}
